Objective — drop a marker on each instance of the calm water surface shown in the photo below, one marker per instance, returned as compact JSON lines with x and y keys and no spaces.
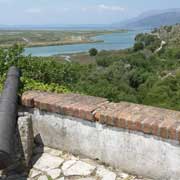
{"x":114,"y":41}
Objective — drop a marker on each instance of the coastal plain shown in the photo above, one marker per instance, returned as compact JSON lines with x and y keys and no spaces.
{"x":36,"y":38}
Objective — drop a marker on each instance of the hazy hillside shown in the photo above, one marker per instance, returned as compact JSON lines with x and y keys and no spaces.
{"x":169,"y":34}
{"x":153,"y":19}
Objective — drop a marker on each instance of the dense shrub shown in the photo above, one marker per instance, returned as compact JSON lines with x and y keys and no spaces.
{"x":105,"y":61}
{"x":149,"y":41}
{"x":30,"y":84}
{"x":138,"y":46}
{"x":93,"y":52}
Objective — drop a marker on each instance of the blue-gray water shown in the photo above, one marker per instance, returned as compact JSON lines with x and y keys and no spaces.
{"x":114,"y":41}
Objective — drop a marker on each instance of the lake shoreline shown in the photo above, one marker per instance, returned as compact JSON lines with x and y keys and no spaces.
{"x":115,"y":40}
{"x":54,"y":44}
{"x":84,"y":37}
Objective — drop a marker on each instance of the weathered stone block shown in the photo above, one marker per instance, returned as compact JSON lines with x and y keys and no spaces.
{"x":25,"y":131}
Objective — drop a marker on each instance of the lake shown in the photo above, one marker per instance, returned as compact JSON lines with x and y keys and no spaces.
{"x":114,"y":41}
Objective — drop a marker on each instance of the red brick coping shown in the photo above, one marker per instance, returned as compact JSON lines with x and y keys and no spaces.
{"x":149,"y":120}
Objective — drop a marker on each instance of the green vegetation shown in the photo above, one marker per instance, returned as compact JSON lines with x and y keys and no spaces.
{"x":148,"y":41}
{"x":170,"y":34}
{"x":93,"y":52}
{"x":138,"y":46}
{"x":30,"y":84}
{"x":142,"y":76}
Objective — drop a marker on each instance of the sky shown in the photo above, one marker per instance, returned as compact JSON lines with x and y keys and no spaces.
{"x":64,"y":12}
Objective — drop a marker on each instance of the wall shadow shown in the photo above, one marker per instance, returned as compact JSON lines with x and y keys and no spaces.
{"x":18,"y":169}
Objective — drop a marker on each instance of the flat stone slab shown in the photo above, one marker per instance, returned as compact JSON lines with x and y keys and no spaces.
{"x":52,"y":152}
{"x":43,"y":177}
{"x":58,"y":165}
{"x":34,"y":173}
{"x":62,"y":178}
{"x":87,"y":178}
{"x":48,"y":162}
{"x":54,"y":173}
{"x":77,"y":168}
{"x":105,"y":174}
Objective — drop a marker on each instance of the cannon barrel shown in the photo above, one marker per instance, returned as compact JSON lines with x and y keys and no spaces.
{"x":8,"y":116}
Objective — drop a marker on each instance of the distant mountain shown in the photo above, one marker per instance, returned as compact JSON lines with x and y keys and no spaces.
{"x":152,"y":19}
{"x":156,"y":12}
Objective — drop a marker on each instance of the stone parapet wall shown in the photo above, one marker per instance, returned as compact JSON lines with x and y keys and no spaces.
{"x":138,"y":139}
{"x":158,"y":122}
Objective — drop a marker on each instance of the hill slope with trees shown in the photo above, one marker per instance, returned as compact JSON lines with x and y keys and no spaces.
{"x":140,"y":74}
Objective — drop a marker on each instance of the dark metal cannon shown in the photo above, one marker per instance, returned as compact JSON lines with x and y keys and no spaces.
{"x":8,"y":116}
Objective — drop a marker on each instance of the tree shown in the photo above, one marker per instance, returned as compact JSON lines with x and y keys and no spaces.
{"x":147,"y":41}
{"x":138,"y":46}
{"x":93,"y":52}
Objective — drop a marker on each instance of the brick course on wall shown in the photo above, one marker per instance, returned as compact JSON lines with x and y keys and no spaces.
{"x":149,"y":120}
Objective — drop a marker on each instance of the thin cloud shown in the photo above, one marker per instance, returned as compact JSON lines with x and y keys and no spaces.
{"x":65,"y":9}
{"x":6,"y":1}
{"x":103,"y":7}
{"x":33,"y":10}
{"x":111,"y":8}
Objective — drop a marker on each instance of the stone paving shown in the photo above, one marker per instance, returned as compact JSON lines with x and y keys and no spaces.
{"x":51,"y":164}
